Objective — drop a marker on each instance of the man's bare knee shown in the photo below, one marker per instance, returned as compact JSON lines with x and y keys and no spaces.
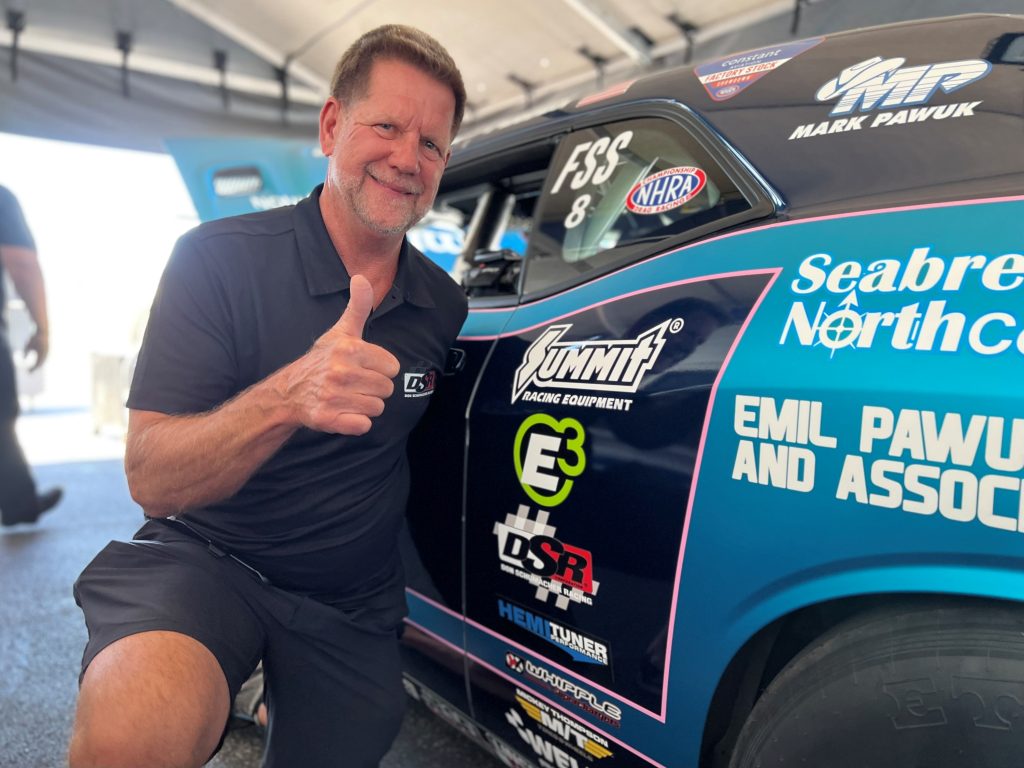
{"x":153,"y":699}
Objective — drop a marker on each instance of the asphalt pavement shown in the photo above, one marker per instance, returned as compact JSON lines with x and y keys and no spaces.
{"x":42,"y":633}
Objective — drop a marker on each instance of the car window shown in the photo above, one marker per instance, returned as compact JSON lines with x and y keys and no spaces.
{"x":495,"y":218}
{"x":615,"y":189}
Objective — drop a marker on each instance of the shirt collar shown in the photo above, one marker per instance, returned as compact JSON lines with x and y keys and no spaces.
{"x":325,"y":271}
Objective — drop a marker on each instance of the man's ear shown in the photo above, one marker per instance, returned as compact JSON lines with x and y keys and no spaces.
{"x":330,"y":121}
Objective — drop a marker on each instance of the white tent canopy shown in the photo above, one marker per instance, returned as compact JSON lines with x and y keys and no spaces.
{"x":132,"y":72}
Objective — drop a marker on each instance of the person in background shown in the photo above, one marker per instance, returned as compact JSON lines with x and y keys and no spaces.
{"x":19,"y":501}
{"x":288,"y":355}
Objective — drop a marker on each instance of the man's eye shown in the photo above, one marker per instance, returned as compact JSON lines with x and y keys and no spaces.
{"x":431,"y":147}
{"x":385,"y":127}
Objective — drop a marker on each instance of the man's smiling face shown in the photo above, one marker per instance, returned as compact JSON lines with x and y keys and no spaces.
{"x":389,"y":148}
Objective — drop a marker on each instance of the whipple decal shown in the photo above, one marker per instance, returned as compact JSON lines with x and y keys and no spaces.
{"x":582,"y":451}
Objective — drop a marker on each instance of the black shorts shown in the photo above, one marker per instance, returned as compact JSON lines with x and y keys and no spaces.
{"x":333,"y":678}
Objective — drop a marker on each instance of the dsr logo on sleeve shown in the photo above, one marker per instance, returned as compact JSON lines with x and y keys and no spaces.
{"x":419,"y":382}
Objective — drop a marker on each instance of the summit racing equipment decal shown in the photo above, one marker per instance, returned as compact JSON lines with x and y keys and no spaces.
{"x":546,"y":463}
{"x":878,"y":83}
{"x":666,"y":190}
{"x":602,"y":366}
{"x":529,"y":550}
{"x":580,"y":647}
{"x":579,"y":739}
{"x":725,"y":78}
{"x":935,"y":326}
{"x":565,"y":689}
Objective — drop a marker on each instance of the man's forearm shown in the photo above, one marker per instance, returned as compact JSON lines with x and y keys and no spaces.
{"x":175,"y":463}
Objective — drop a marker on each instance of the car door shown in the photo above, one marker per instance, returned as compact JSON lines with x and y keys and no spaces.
{"x":584,"y":429}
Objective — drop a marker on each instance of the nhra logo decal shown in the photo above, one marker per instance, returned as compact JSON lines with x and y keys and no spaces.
{"x":529,"y":550}
{"x":580,"y":647}
{"x":565,"y":689}
{"x":666,"y":190}
{"x":420,"y":382}
{"x":604,"y":366}
{"x":935,"y":326}
{"x":879,"y":83}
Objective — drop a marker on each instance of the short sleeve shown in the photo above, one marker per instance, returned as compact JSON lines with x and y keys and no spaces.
{"x":13,"y":227}
{"x":187,"y":363}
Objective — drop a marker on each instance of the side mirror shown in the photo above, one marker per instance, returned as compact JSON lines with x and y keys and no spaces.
{"x":493,"y":273}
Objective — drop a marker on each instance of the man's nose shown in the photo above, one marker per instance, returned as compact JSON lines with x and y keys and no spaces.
{"x":405,"y":153}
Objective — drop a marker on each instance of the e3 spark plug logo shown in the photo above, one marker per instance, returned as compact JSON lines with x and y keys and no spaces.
{"x":548,"y":456}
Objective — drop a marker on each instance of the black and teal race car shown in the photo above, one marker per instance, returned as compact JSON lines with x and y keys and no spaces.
{"x":728,"y":465}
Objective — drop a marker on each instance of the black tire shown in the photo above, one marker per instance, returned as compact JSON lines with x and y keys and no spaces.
{"x":937,"y":685}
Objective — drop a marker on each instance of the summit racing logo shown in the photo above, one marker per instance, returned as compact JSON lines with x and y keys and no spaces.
{"x":602,"y":366}
{"x":885,"y":84}
{"x":529,"y":550}
{"x":565,"y":689}
{"x":915,"y":326}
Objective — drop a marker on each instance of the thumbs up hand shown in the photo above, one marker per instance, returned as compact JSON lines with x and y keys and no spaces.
{"x":343,"y":381}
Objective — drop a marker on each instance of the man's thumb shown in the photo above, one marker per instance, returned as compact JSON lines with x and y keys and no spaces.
{"x":360,"y":304}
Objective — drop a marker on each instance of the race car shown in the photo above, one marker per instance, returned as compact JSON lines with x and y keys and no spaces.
{"x":727,"y":465}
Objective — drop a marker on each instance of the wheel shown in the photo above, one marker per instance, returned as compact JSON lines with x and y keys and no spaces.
{"x":933,"y":685}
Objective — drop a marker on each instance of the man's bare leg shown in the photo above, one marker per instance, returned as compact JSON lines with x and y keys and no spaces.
{"x":155,"y":699}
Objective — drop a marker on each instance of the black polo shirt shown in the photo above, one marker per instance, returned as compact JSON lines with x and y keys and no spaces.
{"x":239,"y":299}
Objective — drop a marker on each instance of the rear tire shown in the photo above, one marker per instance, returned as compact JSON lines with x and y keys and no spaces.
{"x":933,"y":685}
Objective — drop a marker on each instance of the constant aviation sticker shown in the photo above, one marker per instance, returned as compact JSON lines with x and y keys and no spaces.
{"x":529,"y":550}
{"x":725,"y":78}
{"x":616,"y":366}
{"x":548,"y":455}
{"x":566,"y":690}
{"x":894,"y":93}
{"x":580,"y":647}
{"x":666,"y":190}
